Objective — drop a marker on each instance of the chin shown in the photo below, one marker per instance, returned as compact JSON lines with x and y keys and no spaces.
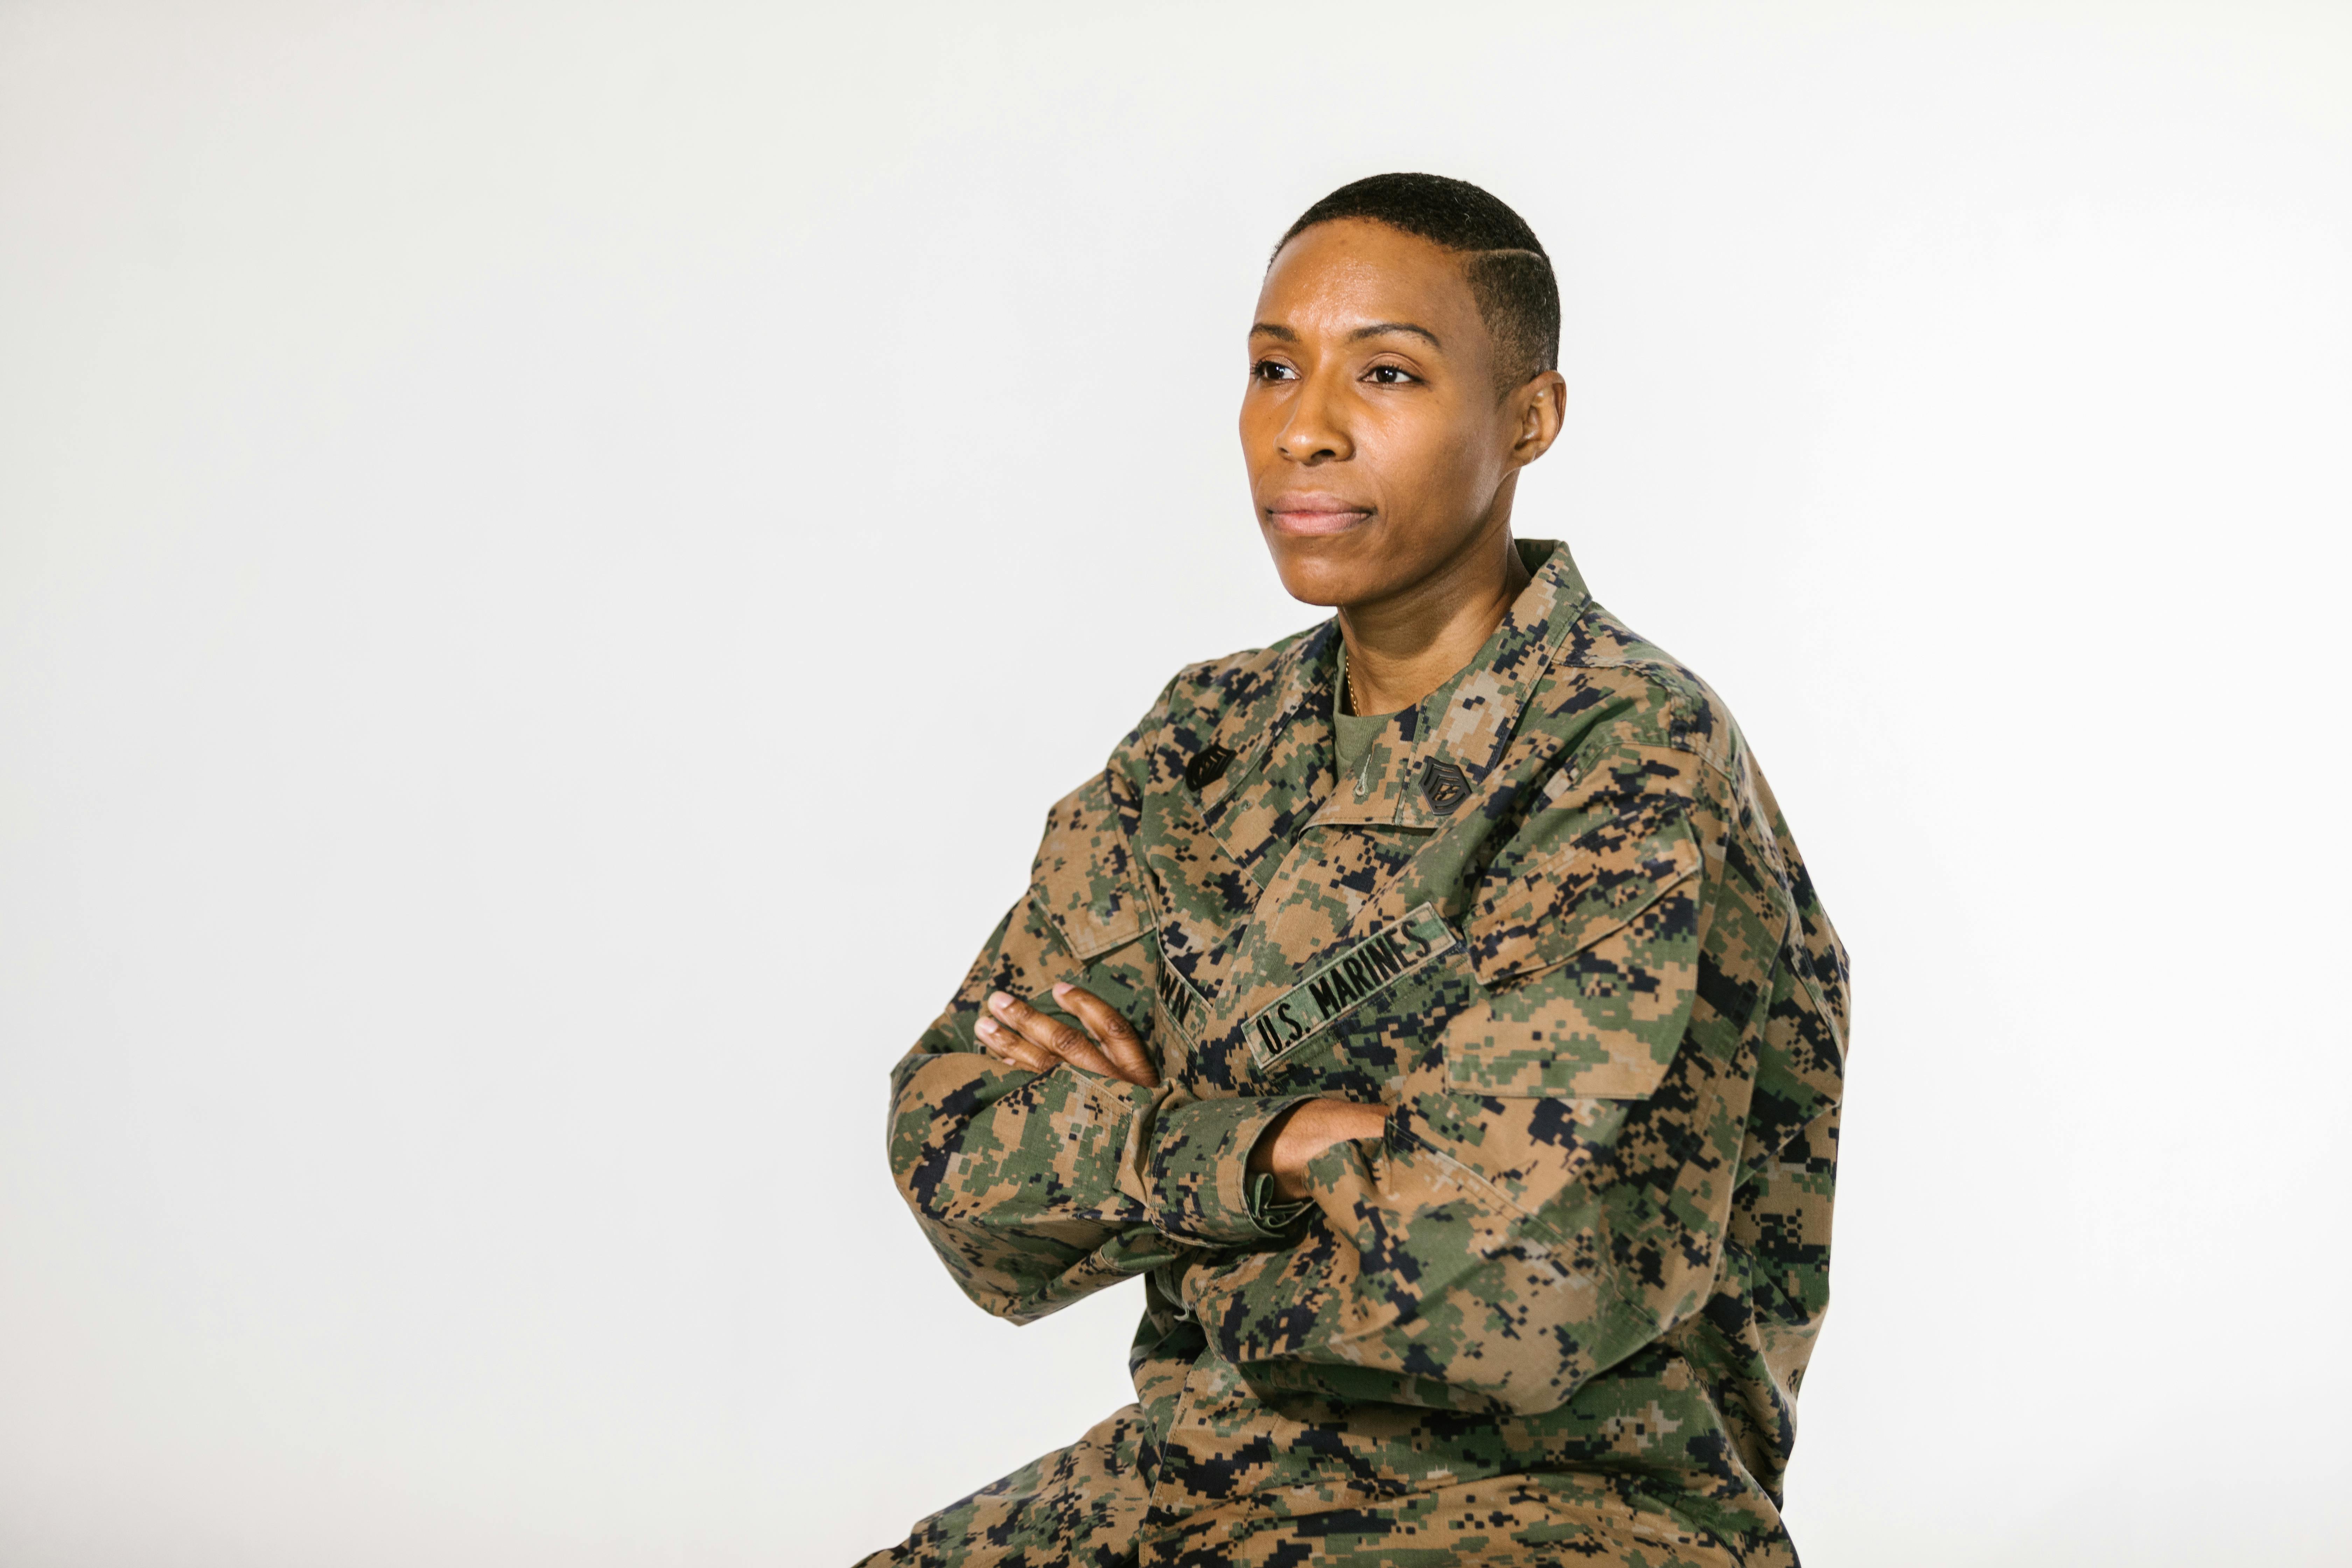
{"x":1312,"y":580}
{"x":1333,"y":570}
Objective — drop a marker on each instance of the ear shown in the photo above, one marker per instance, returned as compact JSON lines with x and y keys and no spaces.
{"x":1535,"y":411}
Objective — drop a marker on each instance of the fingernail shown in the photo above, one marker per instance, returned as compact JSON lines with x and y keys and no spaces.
{"x":985,"y":1028}
{"x":1000,"y":1001}
{"x":1061,"y":988}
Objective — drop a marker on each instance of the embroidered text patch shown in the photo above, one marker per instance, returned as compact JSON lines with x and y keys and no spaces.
{"x":1369,"y":965}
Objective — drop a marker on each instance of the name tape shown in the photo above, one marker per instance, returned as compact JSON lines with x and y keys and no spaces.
{"x":1368,"y":966}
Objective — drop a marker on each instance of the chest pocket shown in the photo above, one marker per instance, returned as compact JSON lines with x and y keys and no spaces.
{"x":1083,"y":916}
{"x":1588,"y":956}
{"x":1081,"y":882}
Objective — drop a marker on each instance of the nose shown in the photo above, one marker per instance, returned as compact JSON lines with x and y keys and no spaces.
{"x":1317,"y":430}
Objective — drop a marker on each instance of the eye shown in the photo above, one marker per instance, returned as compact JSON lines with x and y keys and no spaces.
{"x":1390,"y":375}
{"x":1272,"y":370}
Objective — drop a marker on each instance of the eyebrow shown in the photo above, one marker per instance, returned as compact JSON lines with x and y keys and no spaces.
{"x":1273,"y":330}
{"x":1378,"y":327}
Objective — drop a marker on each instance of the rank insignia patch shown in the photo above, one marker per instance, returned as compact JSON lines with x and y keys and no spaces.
{"x":1209,"y":766}
{"x":1444,"y":785}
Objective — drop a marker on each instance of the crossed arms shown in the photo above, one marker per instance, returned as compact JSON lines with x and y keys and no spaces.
{"x":1020,"y":1037}
{"x":1500,"y":1232}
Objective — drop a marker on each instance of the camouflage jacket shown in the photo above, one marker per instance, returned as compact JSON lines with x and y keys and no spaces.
{"x":1557,"y":925}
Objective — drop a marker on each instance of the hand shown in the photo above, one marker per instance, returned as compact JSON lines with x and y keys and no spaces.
{"x":1020,"y":1036}
{"x":1305,"y":1131}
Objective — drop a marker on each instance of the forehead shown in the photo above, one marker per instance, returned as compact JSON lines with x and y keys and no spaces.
{"x":1341,"y":274}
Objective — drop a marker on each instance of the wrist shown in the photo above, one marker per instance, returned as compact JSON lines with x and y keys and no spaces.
{"x":1262,"y":1154}
{"x":1292,"y":1141}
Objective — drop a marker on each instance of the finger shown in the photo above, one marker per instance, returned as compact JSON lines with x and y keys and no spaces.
{"x":1012,"y":1050}
{"x":1039,"y":1029}
{"x":1112,"y":1032}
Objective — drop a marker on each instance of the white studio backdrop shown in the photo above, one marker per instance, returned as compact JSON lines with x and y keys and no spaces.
{"x":553,"y":556}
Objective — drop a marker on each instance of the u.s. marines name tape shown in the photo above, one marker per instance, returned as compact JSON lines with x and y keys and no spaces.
{"x":1368,"y":965}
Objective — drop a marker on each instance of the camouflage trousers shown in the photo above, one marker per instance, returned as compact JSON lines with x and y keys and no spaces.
{"x":1083,"y":1506}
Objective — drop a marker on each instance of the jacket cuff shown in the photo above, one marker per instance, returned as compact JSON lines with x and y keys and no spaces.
{"x":1201,"y":1190}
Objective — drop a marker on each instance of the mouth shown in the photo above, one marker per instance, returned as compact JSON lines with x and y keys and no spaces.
{"x":1314,"y":514}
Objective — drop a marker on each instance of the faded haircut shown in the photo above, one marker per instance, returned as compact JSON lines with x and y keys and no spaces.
{"x":1510,"y":277}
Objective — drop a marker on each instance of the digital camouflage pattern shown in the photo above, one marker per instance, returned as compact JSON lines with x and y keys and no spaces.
{"x":1560,"y":1313}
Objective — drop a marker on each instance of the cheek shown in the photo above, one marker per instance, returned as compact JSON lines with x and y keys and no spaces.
{"x":1261,"y":430}
{"x":1423,"y":456}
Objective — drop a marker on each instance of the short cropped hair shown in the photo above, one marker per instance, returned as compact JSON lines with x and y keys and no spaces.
{"x":1509,"y":275}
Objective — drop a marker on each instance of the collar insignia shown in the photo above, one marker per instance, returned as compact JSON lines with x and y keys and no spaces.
{"x":1208,"y":766}
{"x":1444,"y":786}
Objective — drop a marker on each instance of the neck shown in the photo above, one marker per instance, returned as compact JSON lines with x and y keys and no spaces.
{"x":1405,"y":646}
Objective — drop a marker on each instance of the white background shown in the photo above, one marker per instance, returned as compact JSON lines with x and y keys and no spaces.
{"x":552,"y":558}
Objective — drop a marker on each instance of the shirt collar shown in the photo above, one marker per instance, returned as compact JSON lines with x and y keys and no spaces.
{"x":1435,"y":754}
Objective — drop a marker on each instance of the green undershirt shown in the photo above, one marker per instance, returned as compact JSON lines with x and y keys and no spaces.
{"x":1353,"y":733}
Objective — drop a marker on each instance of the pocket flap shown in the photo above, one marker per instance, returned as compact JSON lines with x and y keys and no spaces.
{"x":1588,"y":956}
{"x":1542,"y":911}
{"x":1081,"y":879}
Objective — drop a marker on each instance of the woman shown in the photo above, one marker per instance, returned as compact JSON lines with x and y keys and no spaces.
{"x":1431,"y":1008}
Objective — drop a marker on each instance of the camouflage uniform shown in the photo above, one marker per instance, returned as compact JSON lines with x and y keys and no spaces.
{"x":1559,"y":1314}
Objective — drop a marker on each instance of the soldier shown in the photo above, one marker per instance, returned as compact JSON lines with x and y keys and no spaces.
{"x":1431,"y":1008}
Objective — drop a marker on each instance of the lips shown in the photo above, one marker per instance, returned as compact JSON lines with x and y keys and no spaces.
{"x":1309,"y":514}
